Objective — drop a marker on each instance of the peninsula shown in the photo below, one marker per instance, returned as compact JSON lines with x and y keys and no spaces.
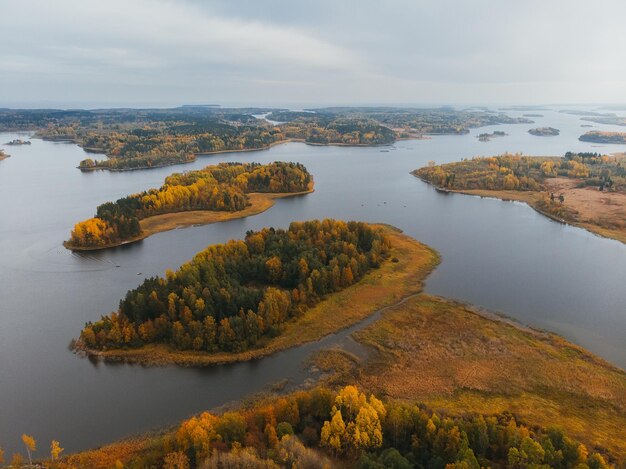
{"x":584,"y":189}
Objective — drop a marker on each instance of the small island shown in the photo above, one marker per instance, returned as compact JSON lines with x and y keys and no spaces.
{"x":544,"y":132}
{"x":19,"y":141}
{"x":584,"y":189}
{"x":485,"y":137}
{"x":215,"y":193}
{"x":597,"y":136}
{"x":273,"y":290}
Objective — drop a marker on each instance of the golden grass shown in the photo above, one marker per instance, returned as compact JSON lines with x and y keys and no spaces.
{"x":382,"y":287}
{"x":457,"y":359}
{"x":106,"y":457}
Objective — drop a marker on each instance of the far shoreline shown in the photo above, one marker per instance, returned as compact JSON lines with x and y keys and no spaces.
{"x":219,"y":152}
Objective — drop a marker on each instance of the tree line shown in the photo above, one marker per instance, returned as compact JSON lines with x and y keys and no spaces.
{"x":230,"y":296}
{"x":221,"y":187}
{"x":525,"y":173}
{"x":322,"y":428}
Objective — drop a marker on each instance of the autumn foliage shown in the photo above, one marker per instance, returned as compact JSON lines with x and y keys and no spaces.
{"x":322,"y":428}
{"x":230,"y":296}
{"x":222,"y":187}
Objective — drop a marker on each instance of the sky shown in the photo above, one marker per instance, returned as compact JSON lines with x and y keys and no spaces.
{"x":88,"y":53}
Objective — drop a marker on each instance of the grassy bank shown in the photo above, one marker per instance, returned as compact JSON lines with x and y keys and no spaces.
{"x":382,"y":287}
{"x":534,"y":200}
{"x":458,"y":359}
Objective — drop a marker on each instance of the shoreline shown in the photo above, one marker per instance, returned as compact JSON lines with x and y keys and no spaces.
{"x":219,"y":152}
{"x":382,"y":288}
{"x":530,"y":200}
{"x":259,"y":203}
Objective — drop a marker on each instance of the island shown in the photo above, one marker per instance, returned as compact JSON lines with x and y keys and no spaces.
{"x":544,"y":132}
{"x":274,"y":290}
{"x":597,"y":136}
{"x":19,"y":141}
{"x":133,"y":139}
{"x":485,"y":137}
{"x":438,"y":383}
{"x":215,"y":193}
{"x":584,"y":189}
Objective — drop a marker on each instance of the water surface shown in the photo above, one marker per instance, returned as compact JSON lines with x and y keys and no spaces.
{"x":500,"y":255}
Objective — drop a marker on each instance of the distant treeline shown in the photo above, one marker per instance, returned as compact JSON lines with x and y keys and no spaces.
{"x":148,"y":138}
{"x":222,"y":187}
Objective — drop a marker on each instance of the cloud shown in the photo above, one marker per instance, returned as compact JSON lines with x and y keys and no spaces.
{"x":323,"y":51}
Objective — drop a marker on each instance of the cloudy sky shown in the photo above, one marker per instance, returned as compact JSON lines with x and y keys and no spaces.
{"x":285,"y":52}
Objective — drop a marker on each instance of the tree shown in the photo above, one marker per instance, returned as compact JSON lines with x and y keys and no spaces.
{"x":176,"y":460}
{"x":334,"y":432}
{"x":17,"y":460}
{"x":31,"y":446}
{"x":361,"y":429}
{"x":55,"y":450}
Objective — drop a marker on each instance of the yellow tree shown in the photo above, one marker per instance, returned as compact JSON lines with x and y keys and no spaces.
{"x":31,"y":446}
{"x":55,"y":450}
{"x":176,"y":460}
{"x":361,"y":428}
{"x":334,"y":432}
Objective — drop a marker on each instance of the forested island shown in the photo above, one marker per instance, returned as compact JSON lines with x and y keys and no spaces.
{"x":273,"y":290}
{"x":149,"y":138}
{"x":215,"y":193}
{"x":544,"y":132}
{"x":585,"y":189}
{"x":485,"y":137}
{"x":18,"y":141}
{"x":597,"y":136}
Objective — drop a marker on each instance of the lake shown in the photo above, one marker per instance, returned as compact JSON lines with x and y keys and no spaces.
{"x":500,"y":255}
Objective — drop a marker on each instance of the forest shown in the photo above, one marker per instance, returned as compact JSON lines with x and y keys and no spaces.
{"x":230,"y":296}
{"x":222,"y":187}
{"x":322,"y":428}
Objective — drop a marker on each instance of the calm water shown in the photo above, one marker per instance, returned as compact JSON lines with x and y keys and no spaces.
{"x":500,"y":255}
